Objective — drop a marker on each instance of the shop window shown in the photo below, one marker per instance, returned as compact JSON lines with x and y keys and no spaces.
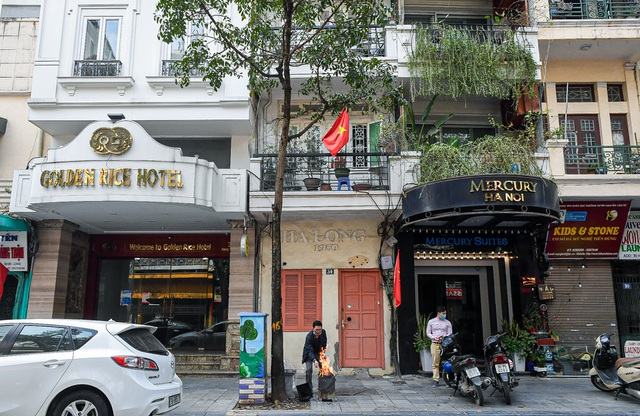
{"x":575,"y":93}
{"x":614,"y":93}
{"x":301,"y":299}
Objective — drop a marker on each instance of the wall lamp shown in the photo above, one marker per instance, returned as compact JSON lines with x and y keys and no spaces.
{"x":115,"y":117}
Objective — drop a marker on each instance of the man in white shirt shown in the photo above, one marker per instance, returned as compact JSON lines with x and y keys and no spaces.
{"x":438,"y":328}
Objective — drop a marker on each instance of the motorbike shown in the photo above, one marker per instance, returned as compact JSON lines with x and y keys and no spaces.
{"x":612,"y":374}
{"x":460,"y":371}
{"x":499,"y":367}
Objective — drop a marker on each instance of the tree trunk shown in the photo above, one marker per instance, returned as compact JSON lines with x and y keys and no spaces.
{"x":278,"y":388}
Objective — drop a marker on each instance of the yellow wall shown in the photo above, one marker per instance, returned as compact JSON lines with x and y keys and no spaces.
{"x":323,"y":255}
{"x":598,"y":73}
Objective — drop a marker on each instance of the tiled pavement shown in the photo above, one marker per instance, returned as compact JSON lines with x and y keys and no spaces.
{"x":414,"y":395}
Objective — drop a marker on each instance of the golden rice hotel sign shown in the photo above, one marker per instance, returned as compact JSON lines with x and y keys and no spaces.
{"x":111,"y":141}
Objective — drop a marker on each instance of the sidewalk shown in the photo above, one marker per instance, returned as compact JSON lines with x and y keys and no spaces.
{"x":413,"y":394}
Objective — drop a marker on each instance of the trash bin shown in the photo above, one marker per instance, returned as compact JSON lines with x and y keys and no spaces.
{"x":288,"y":382}
{"x":304,"y":392}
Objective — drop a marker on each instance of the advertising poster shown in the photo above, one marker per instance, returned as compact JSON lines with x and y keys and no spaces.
{"x":13,"y":250}
{"x":588,"y":229}
{"x":630,"y":244}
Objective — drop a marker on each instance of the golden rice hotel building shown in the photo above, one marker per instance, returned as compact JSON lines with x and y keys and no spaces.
{"x":130,"y":229}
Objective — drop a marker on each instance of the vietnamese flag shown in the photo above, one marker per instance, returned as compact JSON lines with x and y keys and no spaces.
{"x":338,"y":134}
{"x":397,"y":293}
{"x":4,"y":272}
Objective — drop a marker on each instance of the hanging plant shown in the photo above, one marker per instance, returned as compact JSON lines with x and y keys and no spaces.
{"x":469,"y":61}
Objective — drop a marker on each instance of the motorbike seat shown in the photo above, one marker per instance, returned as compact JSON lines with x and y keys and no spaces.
{"x":461,"y":358}
{"x":627,"y":362}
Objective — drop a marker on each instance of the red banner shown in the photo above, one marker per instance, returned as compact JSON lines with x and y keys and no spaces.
{"x":589,"y":229}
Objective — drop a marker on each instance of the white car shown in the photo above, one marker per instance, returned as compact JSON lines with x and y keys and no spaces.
{"x":64,"y":367}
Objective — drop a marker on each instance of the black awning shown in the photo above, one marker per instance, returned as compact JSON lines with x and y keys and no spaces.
{"x":482,"y":202}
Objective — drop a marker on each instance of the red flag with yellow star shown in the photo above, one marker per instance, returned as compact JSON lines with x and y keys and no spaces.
{"x":338,"y":134}
{"x":397,"y":292}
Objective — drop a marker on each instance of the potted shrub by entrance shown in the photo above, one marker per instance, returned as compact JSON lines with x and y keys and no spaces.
{"x":422,"y":343}
{"x":518,"y":343}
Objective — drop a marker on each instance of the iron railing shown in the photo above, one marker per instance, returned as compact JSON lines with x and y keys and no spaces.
{"x":496,"y":34}
{"x":366,"y":170}
{"x":594,"y":9}
{"x":169,"y":69}
{"x":94,"y":68}
{"x":602,"y":159}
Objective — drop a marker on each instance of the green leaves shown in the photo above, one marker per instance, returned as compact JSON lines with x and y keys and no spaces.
{"x":420,"y":339}
{"x":478,"y":61}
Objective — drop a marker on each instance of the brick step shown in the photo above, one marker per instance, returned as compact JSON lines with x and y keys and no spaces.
{"x":194,"y":364}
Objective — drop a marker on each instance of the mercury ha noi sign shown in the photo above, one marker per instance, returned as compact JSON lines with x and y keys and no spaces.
{"x":589,"y":229}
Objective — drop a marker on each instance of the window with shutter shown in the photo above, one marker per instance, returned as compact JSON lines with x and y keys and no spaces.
{"x":301,"y":299}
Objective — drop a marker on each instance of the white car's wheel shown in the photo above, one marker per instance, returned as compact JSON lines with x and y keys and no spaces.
{"x":82,"y":402}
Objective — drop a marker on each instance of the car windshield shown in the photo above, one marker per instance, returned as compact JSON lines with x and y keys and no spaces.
{"x":143,"y":340}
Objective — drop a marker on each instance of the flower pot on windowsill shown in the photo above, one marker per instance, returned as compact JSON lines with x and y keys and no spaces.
{"x":325,"y":186}
{"x":312,"y":184}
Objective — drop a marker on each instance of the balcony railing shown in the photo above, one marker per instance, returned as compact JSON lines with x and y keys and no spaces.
{"x":594,"y":9}
{"x":602,"y":159}
{"x":481,"y":33}
{"x":169,"y":69}
{"x":94,"y":68}
{"x":369,"y":170}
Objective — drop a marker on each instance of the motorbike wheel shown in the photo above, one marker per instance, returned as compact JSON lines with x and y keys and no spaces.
{"x":506,"y":390}
{"x":478,"y":397}
{"x":449,"y":379}
{"x":599,"y":384}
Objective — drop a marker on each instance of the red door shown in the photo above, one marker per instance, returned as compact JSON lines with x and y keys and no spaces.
{"x":362,"y":331}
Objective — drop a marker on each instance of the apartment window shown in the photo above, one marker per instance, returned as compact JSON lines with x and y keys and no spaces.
{"x":575,"y":94}
{"x":101,"y":39}
{"x":99,"y":53}
{"x":301,"y":299}
{"x":20,"y":12}
{"x":465,"y":134}
{"x":619,"y":130}
{"x":583,"y":136}
{"x":175,"y":50}
{"x":614,"y":93}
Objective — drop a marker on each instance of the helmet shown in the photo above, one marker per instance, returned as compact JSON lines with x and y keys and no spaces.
{"x":603,"y":342}
{"x":447,"y":367}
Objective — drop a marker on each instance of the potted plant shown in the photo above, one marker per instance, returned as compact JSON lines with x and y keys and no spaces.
{"x":518,"y":342}
{"x":314,"y":162}
{"x":340,"y":169}
{"x":422,"y":343}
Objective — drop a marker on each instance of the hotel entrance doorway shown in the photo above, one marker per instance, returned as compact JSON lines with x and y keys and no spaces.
{"x":191,"y":291}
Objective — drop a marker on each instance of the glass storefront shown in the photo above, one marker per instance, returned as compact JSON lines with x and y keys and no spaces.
{"x":189,"y":290}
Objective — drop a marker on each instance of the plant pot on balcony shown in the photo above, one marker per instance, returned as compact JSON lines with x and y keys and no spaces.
{"x":325,"y":186}
{"x":341,"y":172}
{"x":312,"y":184}
{"x":361,"y":186}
